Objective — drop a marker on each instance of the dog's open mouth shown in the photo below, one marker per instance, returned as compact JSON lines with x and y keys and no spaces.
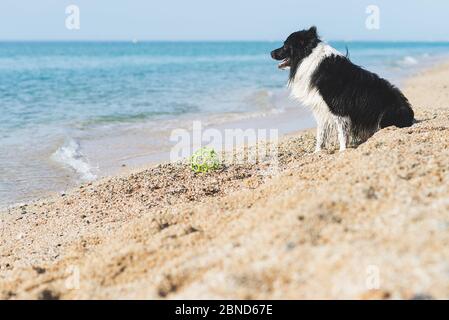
{"x":284,"y":64}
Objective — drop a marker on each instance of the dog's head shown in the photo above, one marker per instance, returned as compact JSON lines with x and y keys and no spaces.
{"x":297,"y":47}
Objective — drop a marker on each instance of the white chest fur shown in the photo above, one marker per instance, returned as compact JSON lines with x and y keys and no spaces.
{"x":302,"y":90}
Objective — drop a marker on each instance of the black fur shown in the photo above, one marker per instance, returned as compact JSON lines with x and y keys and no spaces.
{"x":348,"y":90}
{"x":297,"y":46}
{"x":363,"y":96}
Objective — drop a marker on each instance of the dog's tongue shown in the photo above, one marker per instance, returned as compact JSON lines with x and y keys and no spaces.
{"x":283,"y":64}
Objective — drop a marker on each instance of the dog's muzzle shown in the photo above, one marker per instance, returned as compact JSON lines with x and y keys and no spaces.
{"x":280,"y":54}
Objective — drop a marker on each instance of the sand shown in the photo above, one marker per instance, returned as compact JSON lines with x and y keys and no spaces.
{"x":369,"y":223}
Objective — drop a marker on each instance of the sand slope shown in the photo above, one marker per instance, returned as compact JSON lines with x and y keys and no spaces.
{"x":329,"y":225}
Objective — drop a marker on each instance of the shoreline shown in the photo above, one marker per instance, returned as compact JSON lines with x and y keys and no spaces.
{"x":315,"y":229}
{"x":76,"y":156}
{"x":144,"y":152}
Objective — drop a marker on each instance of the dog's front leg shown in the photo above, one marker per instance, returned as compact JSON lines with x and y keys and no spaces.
{"x":342,"y":131}
{"x":320,"y":133}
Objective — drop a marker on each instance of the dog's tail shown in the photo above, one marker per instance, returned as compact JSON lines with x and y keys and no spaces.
{"x":400,"y":117}
{"x":400,"y":114}
{"x":347,"y":55}
{"x":406,"y":117}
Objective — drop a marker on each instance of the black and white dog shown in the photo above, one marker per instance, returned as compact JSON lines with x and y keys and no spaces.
{"x":341,"y":95}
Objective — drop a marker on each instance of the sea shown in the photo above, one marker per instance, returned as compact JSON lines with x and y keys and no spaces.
{"x":72,"y":112}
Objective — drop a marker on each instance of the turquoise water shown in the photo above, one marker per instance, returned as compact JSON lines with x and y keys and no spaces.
{"x":74,"y":111}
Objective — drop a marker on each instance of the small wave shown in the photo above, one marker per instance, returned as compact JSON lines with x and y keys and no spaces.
{"x":70,"y":155}
{"x":270,"y":99}
{"x":408,"y":61}
{"x":262,"y":99}
{"x":177,"y":109}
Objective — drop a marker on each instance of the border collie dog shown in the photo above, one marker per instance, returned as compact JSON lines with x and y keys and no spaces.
{"x":341,"y":95}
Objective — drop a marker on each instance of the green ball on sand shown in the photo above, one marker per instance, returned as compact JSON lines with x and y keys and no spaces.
{"x":204,"y":160}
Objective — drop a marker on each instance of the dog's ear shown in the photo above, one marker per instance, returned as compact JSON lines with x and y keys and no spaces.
{"x":312,"y":32}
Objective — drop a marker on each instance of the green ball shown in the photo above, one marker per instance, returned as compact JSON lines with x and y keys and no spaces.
{"x":204,"y":160}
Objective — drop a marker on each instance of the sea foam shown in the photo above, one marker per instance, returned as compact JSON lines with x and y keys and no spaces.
{"x":408,"y":61}
{"x":70,"y":155}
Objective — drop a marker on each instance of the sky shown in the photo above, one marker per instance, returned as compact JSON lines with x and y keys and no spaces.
{"x":223,"y":20}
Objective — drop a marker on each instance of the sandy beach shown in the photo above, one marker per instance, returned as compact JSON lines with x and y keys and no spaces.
{"x":369,"y":223}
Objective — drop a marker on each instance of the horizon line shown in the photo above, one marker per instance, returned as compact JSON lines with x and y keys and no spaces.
{"x":136,"y":40}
